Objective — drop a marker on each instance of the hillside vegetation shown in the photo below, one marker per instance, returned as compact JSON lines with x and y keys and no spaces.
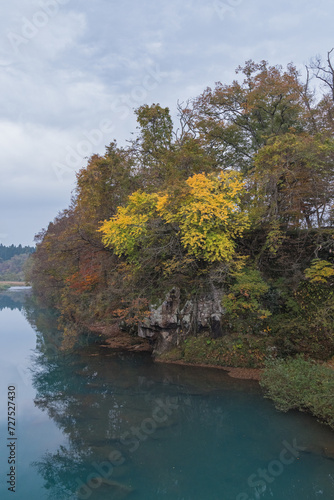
{"x":237,"y":197}
{"x":12,"y":262}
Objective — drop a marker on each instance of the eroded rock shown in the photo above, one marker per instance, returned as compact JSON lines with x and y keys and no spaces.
{"x":172,"y":321}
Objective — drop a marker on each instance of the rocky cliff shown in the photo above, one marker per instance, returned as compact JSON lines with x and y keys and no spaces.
{"x":172,"y":321}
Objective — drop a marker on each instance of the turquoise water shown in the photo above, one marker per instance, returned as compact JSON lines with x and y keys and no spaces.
{"x":103,"y":425}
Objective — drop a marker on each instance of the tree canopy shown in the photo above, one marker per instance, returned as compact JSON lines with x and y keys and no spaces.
{"x":238,"y":195}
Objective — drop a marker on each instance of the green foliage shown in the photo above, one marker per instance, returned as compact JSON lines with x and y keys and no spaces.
{"x":294,"y":334}
{"x":237,"y":119}
{"x":296,"y":383}
{"x":156,"y":128}
{"x":244,"y":302}
{"x":292,"y":180}
{"x":304,"y":319}
{"x":233,"y":350}
{"x":274,"y":239}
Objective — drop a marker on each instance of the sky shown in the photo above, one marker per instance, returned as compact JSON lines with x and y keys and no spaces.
{"x":73,"y":71}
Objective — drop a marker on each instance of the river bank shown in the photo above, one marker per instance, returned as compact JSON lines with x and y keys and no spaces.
{"x":205,"y":353}
{"x":115,"y":338}
{"x":13,"y":283}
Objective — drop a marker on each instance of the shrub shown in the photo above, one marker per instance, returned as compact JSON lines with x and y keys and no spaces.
{"x":232,"y":350}
{"x":296,"y":383}
{"x":297,"y":335}
{"x":243,"y":305}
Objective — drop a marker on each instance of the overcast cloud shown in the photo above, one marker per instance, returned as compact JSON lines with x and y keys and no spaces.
{"x":72,"y":71}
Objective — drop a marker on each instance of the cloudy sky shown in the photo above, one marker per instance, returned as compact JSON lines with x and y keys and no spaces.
{"x":72,"y":71}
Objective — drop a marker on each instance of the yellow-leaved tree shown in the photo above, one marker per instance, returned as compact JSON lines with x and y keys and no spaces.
{"x":204,"y":213}
{"x":126,"y":230}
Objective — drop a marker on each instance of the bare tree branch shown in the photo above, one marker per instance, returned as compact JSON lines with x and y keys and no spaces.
{"x":324,"y":71}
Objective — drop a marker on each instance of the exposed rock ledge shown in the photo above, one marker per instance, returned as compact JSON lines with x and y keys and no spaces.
{"x":114,"y":338}
{"x":168,"y":324}
{"x":171,"y":321}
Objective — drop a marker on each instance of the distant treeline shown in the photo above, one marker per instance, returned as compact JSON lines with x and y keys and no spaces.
{"x":7,"y":252}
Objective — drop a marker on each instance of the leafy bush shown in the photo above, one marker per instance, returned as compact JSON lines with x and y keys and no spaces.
{"x":243,"y":305}
{"x":296,"y":383}
{"x":306,"y":323}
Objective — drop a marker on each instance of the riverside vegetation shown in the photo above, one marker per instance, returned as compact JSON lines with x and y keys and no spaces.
{"x":235,"y":200}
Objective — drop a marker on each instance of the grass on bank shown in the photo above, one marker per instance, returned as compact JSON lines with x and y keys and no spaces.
{"x":4,"y":286}
{"x":305,"y":385}
{"x":232,"y":350}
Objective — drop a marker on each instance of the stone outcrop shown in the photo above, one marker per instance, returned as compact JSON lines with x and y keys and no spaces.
{"x":172,"y":321}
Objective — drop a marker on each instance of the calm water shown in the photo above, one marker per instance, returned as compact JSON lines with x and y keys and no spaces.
{"x":104,"y":425}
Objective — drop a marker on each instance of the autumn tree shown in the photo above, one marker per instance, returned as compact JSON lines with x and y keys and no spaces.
{"x":174,"y":231}
{"x":101,"y":187}
{"x":323,"y":71}
{"x":246,"y":176}
{"x":236,"y":120}
{"x":293,"y":181}
{"x":153,"y":144}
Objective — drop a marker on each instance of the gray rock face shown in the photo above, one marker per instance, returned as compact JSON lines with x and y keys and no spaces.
{"x":171,"y":321}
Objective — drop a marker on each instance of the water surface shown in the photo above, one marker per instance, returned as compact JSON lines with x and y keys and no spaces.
{"x":103,"y":425}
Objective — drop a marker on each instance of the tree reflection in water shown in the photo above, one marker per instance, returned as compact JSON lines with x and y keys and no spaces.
{"x":13,"y":299}
{"x":107,"y":402}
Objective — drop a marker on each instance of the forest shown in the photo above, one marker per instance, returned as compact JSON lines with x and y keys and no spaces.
{"x":7,"y":252}
{"x":12,"y":261}
{"x":234,"y":199}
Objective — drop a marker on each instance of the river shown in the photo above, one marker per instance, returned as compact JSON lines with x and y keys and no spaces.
{"x":109,"y":425}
